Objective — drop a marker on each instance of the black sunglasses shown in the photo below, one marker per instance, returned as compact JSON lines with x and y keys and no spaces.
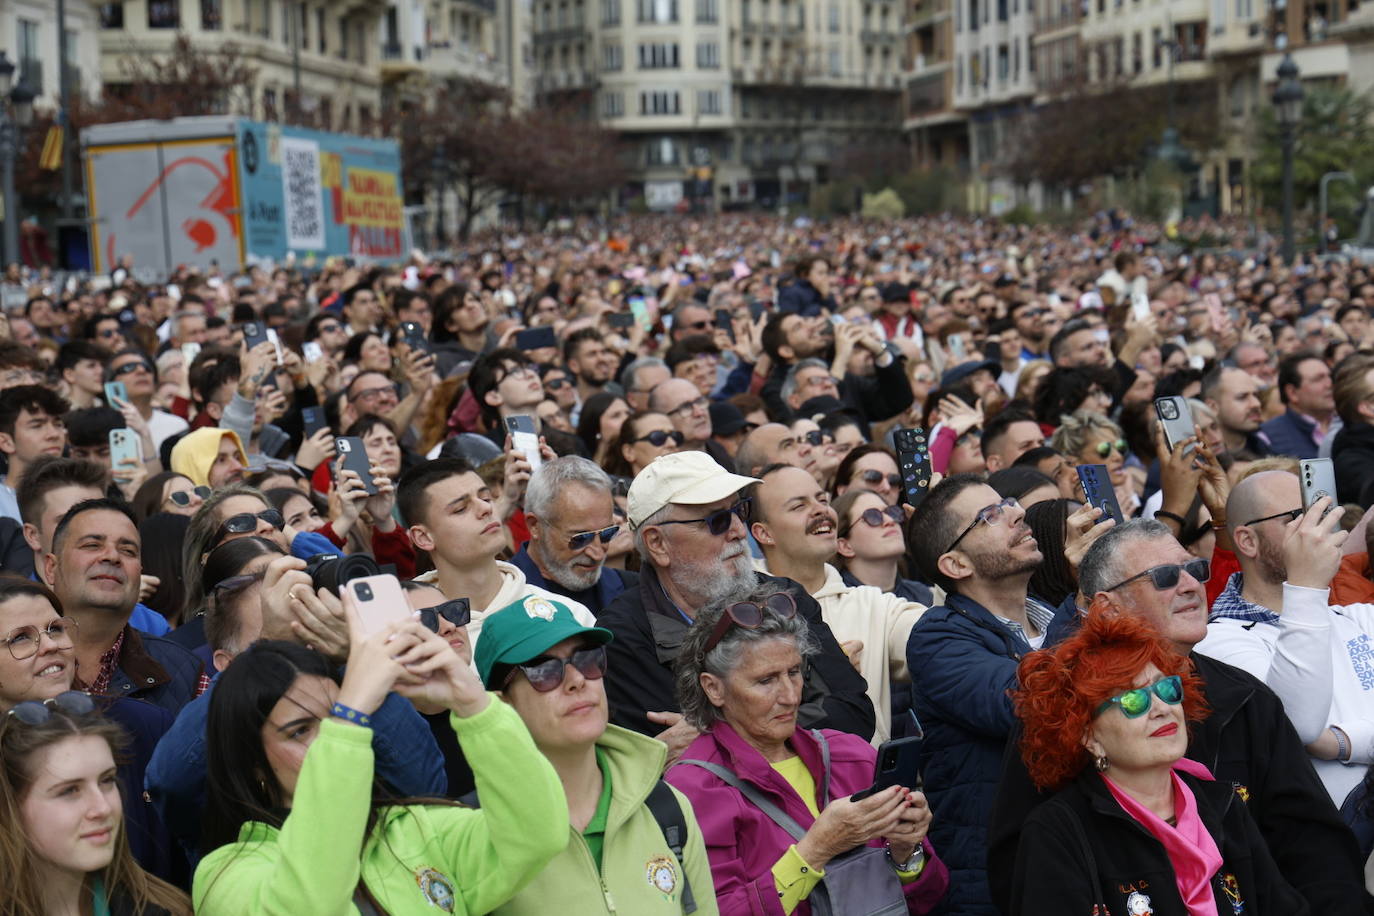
{"x":132,"y":365}
{"x":750,"y":615}
{"x":873,"y":518}
{"x":1167,"y":576}
{"x":583,"y":538}
{"x":554,"y":384}
{"x":658,"y":438}
{"x":245,"y":522}
{"x":183,"y":498}
{"x":818,"y":437}
{"x":546,"y":674}
{"x":718,"y":522}
{"x":874,"y":478}
{"x":457,"y":611}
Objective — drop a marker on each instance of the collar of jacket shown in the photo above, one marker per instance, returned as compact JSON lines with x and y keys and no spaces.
{"x":605,"y":582}
{"x":635,"y":761}
{"x":1214,"y":798}
{"x":982,"y":617}
{"x":665,"y":623}
{"x":136,"y":669}
{"x":1227,"y":693}
{"x":744,"y":760}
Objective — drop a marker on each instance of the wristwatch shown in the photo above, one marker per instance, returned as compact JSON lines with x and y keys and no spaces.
{"x":914,"y":863}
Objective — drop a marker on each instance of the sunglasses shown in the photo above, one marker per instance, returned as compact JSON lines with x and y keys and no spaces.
{"x":697,"y":325}
{"x":131,"y":366}
{"x":546,"y":674}
{"x":875,"y":478}
{"x":750,"y":615}
{"x":580,"y":540}
{"x":24,"y":642}
{"x":457,"y":611}
{"x":874,"y":518}
{"x":988,"y":515}
{"x":35,"y":712}
{"x":1286,"y":516}
{"x":1105,"y":448}
{"x":555,"y":384}
{"x":246,"y":522}
{"x":658,"y":438}
{"x":1135,"y":703}
{"x":718,"y":522}
{"x":183,"y":497}
{"x":1164,"y":577}
{"x":818,"y":437}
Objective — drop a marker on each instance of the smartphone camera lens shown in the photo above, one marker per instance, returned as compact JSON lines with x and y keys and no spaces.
{"x":1170,"y":410}
{"x":363,"y":591}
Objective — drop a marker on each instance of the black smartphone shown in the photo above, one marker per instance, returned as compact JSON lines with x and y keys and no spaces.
{"x":726,"y":323}
{"x":414,"y":335}
{"x":354,"y":455}
{"x":898,"y":764}
{"x":535,"y":339}
{"x":254,"y":333}
{"x":1098,"y":492}
{"x":312,"y":418}
{"x":913,"y":464}
{"x":621,"y":320}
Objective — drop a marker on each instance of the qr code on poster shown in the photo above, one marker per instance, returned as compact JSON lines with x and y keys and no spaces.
{"x":300,"y":168}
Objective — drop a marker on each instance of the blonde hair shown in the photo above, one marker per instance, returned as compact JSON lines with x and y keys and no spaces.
{"x":1076,"y":429}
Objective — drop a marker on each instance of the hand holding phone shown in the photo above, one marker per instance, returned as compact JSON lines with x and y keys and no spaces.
{"x":898,"y":764}
{"x":1176,"y":419}
{"x":1317,"y":478}
{"x":1098,"y":491}
{"x":913,"y":464}
{"x":116,"y":394}
{"x":354,"y":455}
{"x":525,"y":439}
{"x":375,"y":603}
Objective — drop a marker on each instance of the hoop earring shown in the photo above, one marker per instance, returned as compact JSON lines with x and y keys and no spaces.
{"x":1102,"y":763}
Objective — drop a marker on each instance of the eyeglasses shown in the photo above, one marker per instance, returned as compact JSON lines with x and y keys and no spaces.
{"x":183,"y":497}
{"x":750,"y":615}
{"x":245,"y":522}
{"x":377,"y":392}
{"x":523,"y":370}
{"x":698,"y":404}
{"x":874,"y":518}
{"x":134,"y":365}
{"x":1135,"y":703}
{"x":554,"y":384}
{"x":25,"y":641}
{"x":658,"y":438}
{"x":817,"y":437}
{"x":988,"y":515}
{"x":696,"y":325}
{"x":718,"y":522}
{"x":580,"y":540}
{"x":457,"y":611}
{"x":1164,"y":577}
{"x":36,"y":712}
{"x":1105,"y":448}
{"x":1286,"y":516}
{"x":546,"y":674}
{"x":875,"y":478}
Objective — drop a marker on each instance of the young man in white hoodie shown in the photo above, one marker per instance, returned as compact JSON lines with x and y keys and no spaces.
{"x":796,"y":527}
{"x":451,"y":513}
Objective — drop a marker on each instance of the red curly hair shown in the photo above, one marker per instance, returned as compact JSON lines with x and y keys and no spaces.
{"x":1063,"y":686}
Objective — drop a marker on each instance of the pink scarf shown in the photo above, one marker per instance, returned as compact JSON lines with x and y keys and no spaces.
{"x":1191,"y":849}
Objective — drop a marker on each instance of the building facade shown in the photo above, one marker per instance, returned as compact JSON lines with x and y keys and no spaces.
{"x":29,"y":36}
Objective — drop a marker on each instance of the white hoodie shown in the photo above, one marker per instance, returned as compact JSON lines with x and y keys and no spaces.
{"x":883,"y":622}
{"x":513,"y":588}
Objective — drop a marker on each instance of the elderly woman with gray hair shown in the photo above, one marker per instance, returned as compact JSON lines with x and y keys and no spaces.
{"x":773,"y":801}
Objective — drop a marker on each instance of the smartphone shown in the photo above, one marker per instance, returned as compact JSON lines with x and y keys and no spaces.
{"x":725,"y":322}
{"x":189,"y":352}
{"x":276,"y":343}
{"x":621,"y":321}
{"x":115,"y":391}
{"x":1176,"y":419}
{"x":414,"y":335}
{"x":377,"y":601}
{"x":1098,"y":492}
{"x":836,"y":320}
{"x":640,"y":309}
{"x":354,"y":455}
{"x":312,"y":351}
{"x":756,"y":310}
{"x":313,"y":420}
{"x":898,"y":764}
{"x":1140,"y":305}
{"x":535,"y":339}
{"x":524,"y":439}
{"x":253,"y":334}
{"x":957,"y":349}
{"x":124,"y":445}
{"x":1215,"y":311}
{"x":913,"y":463}
{"x":1317,"y":476}
{"x":273,"y":440}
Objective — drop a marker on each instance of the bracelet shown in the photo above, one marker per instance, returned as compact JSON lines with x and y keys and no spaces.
{"x":1161,"y":513}
{"x":348,"y":714}
{"x":1218,"y":524}
{"x":913,"y":864}
{"x":1342,"y":750}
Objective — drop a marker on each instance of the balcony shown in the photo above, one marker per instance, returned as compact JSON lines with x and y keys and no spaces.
{"x":448,"y":59}
{"x":572,"y":31}
{"x":573,"y":80}
{"x":757,"y":29}
{"x":927,"y":13}
{"x":875,"y":37}
{"x":486,"y":6}
{"x":1241,"y":38}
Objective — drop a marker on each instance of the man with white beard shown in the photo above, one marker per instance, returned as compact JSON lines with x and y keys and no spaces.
{"x":690,"y":530}
{"x":570,"y":512}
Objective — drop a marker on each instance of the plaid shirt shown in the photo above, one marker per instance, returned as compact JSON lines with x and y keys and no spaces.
{"x":1230,"y":604}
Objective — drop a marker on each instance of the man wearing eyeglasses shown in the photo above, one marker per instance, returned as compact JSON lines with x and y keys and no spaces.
{"x":797,"y":529}
{"x":688,"y":521}
{"x":1139,"y":568}
{"x":140,"y":381}
{"x":571,"y":518}
{"x":963,"y":657}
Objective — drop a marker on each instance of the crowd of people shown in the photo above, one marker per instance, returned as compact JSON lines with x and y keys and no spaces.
{"x":592,"y":569}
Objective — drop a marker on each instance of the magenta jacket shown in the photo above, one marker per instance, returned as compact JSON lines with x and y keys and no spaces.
{"x":743,"y":843}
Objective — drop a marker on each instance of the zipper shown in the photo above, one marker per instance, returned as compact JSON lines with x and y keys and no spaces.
{"x":601,"y":879}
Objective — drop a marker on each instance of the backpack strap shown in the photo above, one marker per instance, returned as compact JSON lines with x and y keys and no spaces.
{"x":752,"y":794}
{"x":824,"y":798}
{"x":664,"y":806}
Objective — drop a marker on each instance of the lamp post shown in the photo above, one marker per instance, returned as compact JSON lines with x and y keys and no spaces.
{"x":1288,"y":106}
{"x":13,"y":119}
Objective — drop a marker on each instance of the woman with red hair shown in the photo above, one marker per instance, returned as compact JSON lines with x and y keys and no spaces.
{"x":1135,"y":828}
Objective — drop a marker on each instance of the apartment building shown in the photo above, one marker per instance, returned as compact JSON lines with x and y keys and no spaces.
{"x":318,"y":58}
{"x":428,"y":42}
{"x":725,"y":103}
{"x":937,"y":132}
{"x":29,"y":38}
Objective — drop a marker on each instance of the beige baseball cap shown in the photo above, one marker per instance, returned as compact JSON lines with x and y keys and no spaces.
{"x":684,"y":479}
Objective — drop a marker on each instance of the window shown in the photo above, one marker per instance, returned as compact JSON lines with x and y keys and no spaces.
{"x":211,"y":15}
{"x":708,"y":10}
{"x":834,"y":17}
{"x":611,"y":58}
{"x":343,"y":37}
{"x":708,"y":101}
{"x":612,"y":104}
{"x":834,"y":61}
{"x":303,"y":23}
{"x":708,"y":55}
{"x":30,"y":64}
{"x":660,"y":151}
{"x":658,"y":56}
{"x":610,"y":12}
{"x":164,"y":14}
{"x":973,"y":15}
{"x":658,"y":11}
{"x":112,"y":15}
{"x":322,"y":45}
{"x":666,"y":102}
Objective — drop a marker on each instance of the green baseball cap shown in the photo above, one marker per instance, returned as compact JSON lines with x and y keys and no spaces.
{"x":526,"y":629}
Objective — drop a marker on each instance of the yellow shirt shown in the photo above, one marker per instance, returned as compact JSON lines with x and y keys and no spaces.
{"x":792,"y":876}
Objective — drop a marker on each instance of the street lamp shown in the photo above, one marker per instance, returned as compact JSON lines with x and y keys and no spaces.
{"x":12,"y":121}
{"x":1288,"y":106}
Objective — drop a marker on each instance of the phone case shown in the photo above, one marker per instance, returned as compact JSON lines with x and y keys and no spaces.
{"x":1317,"y":476}
{"x":898,"y":764}
{"x":313,"y":420}
{"x":1176,"y":419}
{"x":913,"y":463}
{"x":115,"y":391}
{"x":1097,"y":488}
{"x":377,"y":600}
{"x":253,"y":334}
{"x":312,"y":351}
{"x":415,"y":336}
{"x":354,"y":455}
{"x":124,"y":445}
{"x":524,"y":439}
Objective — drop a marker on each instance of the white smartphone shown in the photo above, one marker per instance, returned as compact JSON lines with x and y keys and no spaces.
{"x":523,"y":438}
{"x":1140,"y":305}
{"x":1317,"y":477}
{"x":312,"y":351}
{"x":377,"y":601}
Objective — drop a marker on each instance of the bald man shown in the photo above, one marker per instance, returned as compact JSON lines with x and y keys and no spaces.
{"x":773,"y":443}
{"x":1273,"y":621}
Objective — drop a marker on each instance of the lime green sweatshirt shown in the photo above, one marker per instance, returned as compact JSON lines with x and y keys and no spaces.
{"x":639,"y":874}
{"x":420,"y":859}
